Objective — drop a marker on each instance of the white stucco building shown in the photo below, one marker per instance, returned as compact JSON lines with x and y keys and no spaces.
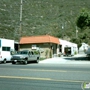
{"x":65,"y":43}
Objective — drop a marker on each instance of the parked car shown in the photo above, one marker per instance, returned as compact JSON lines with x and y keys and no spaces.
{"x":87,"y":52}
{"x":25,"y":56}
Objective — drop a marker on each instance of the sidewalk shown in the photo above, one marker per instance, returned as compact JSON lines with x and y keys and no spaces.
{"x":63,"y":60}
{"x":55,"y":60}
{"x":80,"y":55}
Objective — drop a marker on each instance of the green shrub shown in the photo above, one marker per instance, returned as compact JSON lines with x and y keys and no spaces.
{"x":50,"y":54}
{"x":36,"y":52}
{"x":59,"y":55}
{"x":75,"y":53}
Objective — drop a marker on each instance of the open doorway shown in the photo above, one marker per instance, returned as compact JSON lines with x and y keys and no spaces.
{"x":16,"y":46}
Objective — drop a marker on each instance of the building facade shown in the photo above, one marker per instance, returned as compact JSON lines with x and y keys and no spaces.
{"x":46,"y":44}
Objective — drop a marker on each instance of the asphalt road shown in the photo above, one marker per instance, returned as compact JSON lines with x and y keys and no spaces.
{"x":43,"y":76}
{"x":23,"y":84}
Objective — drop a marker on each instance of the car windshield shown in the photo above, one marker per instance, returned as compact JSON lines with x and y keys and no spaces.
{"x":22,"y":52}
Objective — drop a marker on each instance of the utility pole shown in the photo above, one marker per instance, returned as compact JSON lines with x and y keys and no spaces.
{"x":76,"y":32}
{"x":62,"y":31}
{"x":21,"y":18}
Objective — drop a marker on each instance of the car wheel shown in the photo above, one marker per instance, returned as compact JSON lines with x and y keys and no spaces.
{"x":25,"y":62}
{"x":13,"y":62}
{"x":4,"y":61}
{"x":37,"y":61}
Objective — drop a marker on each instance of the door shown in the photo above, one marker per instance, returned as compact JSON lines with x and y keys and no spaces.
{"x":32,"y":55}
{"x":30,"y":58}
{"x":67,"y":50}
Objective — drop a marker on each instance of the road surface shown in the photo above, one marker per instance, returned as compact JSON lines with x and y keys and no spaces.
{"x":43,"y":76}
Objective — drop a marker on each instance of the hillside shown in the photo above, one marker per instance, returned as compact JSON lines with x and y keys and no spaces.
{"x":54,"y":17}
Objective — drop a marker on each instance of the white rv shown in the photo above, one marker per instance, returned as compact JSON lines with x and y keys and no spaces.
{"x":6,"y":46}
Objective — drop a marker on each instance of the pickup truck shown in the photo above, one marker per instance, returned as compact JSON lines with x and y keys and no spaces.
{"x":25,"y":56}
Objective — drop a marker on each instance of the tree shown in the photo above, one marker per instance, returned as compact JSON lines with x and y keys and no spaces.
{"x":77,"y":41}
{"x":83,"y":21}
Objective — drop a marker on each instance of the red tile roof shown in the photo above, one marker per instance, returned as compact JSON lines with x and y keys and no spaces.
{"x":39,"y":39}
